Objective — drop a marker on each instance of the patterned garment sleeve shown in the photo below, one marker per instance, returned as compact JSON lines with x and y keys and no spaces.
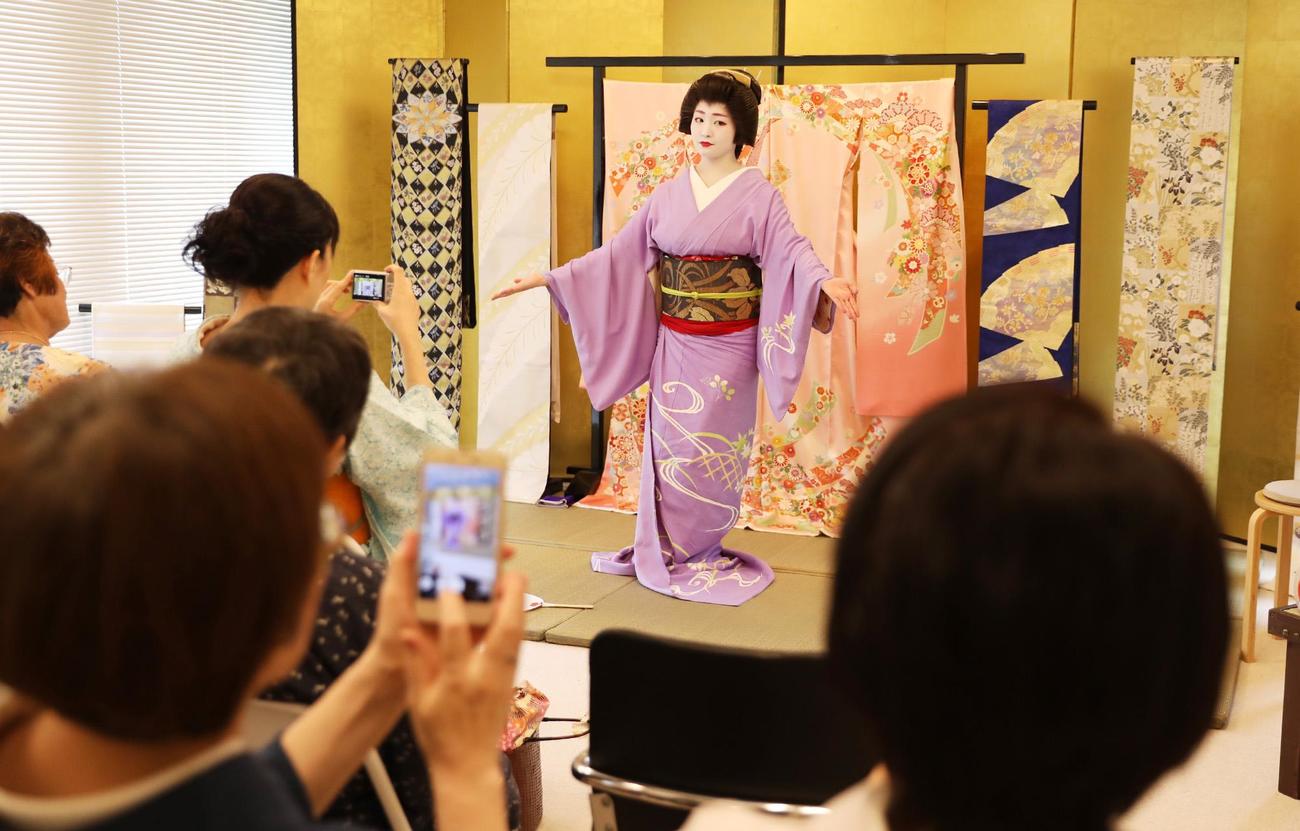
{"x":384,"y":458}
{"x":605,"y":296}
{"x":792,"y":278}
{"x":28,"y":371}
{"x":345,"y":622}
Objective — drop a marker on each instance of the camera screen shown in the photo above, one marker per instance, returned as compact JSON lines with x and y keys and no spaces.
{"x":367,"y":287}
{"x":458,"y":533}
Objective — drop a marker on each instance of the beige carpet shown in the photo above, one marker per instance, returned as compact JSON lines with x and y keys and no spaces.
{"x":553,"y":547}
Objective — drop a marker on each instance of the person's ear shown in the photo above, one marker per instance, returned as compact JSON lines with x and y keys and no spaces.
{"x":309,"y":264}
{"x":334,"y":456}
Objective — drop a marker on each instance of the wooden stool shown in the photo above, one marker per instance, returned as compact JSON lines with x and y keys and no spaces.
{"x":1280,"y":499}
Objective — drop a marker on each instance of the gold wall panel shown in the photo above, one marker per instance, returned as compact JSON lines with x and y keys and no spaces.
{"x":345,"y":116}
{"x":540,"y":28}
{"x":722,"y":27}
{"x":1263,"y":355}
{"x":476,"y":30}
{"x":1074,"y":48}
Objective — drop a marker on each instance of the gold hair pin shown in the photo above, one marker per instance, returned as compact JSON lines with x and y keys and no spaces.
{"x":739,"y":77}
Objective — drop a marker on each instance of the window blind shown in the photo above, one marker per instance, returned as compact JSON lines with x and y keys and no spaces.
{"x":122,"y":122}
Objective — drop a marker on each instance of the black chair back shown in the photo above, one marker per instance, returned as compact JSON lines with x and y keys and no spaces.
{"x":722,"y":722}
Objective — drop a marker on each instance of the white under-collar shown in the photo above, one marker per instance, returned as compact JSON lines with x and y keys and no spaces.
{"x":705,"y":194}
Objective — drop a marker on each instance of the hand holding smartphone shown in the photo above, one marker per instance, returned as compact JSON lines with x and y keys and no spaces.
{"x":372,"y":286}
{"x":460,"y":531}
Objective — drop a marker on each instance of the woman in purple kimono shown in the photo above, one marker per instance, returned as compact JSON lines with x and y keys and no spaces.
{"x":738,"y":290}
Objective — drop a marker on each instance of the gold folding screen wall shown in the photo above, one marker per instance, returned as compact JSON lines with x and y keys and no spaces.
{"x":1074,"y":49}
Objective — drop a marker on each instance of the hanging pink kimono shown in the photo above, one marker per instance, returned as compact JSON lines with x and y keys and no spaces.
{"x":807,"y":463}
{"x":643,"y":149}
{"x":911,"y":260}
{"x":814,"y":142}
{"x":703,"y":387}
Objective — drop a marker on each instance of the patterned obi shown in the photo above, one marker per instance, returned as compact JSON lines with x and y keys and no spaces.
{"x":709,"y":295}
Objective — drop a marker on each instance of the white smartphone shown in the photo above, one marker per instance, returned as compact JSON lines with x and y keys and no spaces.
{"x":460,"y":530}
{"x":372,"y":286}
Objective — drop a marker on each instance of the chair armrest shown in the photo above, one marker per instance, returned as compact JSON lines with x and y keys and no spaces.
{"x":671,"y":798}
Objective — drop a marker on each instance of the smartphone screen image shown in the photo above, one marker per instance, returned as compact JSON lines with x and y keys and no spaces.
{"x":459,"y":534}
{"x":367,"y":286}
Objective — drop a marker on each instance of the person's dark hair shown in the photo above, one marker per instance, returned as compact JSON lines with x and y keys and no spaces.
{"x":161,"y":535}
{"x":272,"y":222}
{"x":740,"y":98}
{"x":24,"y":261}
{"x":1031,"y":610}
{"x":324,"y":362}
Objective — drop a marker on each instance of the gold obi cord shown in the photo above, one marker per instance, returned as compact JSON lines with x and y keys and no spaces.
{"x":710,"y":289}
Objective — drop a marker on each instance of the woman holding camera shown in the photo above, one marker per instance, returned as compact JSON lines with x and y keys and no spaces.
{"x":273,"y":244}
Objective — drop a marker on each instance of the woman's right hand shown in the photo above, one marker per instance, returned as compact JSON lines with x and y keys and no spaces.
{"x":459,"y":694}
{"x":327,"y":302}
{"x":532,"y":281}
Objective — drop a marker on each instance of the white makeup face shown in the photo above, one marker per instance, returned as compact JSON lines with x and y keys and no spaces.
{"x":713,"y":131}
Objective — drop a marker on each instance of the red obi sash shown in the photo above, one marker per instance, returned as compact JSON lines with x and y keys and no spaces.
{"x":706,"y":327}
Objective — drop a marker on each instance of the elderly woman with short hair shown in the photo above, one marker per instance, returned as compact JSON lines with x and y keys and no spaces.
{"x":33,"y":309}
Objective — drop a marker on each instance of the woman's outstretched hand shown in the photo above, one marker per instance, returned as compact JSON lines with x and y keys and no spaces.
{"x":843,"y":294}
{"x":532,"y":281}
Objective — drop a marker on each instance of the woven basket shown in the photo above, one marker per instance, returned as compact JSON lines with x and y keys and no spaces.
{"x":526,"y":769}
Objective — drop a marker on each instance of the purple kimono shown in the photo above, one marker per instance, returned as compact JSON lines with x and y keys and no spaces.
{"x":703,"y":388}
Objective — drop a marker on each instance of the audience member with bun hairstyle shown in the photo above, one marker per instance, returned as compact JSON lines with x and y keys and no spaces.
{"x":33,"y":309}
{"x":273,"y":244}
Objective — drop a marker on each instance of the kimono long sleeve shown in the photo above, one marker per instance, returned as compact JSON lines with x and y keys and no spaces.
{"x":385,"y":456}
{"x":607,"y":299}
{"x":792,"y":279}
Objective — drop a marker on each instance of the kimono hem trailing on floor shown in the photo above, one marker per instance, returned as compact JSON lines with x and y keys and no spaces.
{"x":703,"y":389}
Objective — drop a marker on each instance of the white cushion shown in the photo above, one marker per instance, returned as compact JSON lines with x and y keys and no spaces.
{"x":1286,"y":491}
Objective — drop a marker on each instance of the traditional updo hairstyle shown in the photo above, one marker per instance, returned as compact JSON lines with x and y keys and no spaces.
{"x":736,"y":90}
{"x":271,"y":223}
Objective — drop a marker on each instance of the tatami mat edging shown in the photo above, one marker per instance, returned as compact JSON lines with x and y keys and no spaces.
{"x":591,"y":530}
{"x":789,"y":616}
{"x":553,"y":547}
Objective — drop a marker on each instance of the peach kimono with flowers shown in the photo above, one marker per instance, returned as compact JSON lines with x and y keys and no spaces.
{"x":900,"y":240}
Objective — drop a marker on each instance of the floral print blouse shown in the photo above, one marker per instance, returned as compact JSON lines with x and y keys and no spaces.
{"x":384,"y":458}
{"x":345,"y":622}
{"x":28,"y":370}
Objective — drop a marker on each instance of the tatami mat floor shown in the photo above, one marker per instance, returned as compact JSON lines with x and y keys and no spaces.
{"x":553,"y":547}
